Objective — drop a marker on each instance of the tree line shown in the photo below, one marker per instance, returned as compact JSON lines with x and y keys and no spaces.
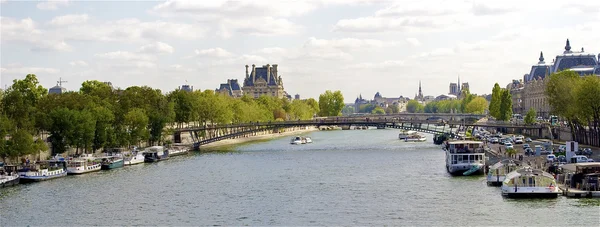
{"x":468,"y":103}
{"x":501,"y":103}
{"x":99,"y":116}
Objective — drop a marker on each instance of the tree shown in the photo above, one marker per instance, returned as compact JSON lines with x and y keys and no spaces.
{"x":96,"y":88}
{"x":378,"y":110}
{"x":530,"y":116}
{"x":20,"y":143}
{"x":61,"y":129}
{"x":588,"y":100}
{"x":467,"y":98}
{"x":413,"y":106}
{"x":505,"y":105}
{"x":366,"y":108}
{"x":314,"y":105}
{"x":331,"y":103}
{"x":84,"y":127}
{"x":136,"y":122}
{"x":6,"y":127}
{"x":496,"y":101}
{"x":476,"y":106}
{"x":20,"y":100}
{"x":103,"y":129}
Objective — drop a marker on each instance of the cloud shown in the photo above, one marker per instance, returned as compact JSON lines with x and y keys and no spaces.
{"x":52,"y":4}
{"x":125,"y":56}
{"x":157,"y":48}
{"x":28,"y":70}
{"x":272,"y":51}
{"x":69,"y":19}
{"x":212,"y":53}
{"x":78,"y":63}
{"x":26,"y":31}
{"x":45,"y":46}
{"x":347,"y":43}
{"x":413,"y":41}
{"x":378,"y":65}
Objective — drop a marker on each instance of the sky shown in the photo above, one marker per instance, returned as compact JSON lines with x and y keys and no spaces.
{"x":355,"y":46}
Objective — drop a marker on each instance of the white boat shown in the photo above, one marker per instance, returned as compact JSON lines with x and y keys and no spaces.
{"x":415,"y":138}
{"x":174,"y":151}
{"x":134,"y":158}
{"x":308,"y":139}
{"x":297,"y":140}
{"x":497,"y":172}
{"x":155,"y":154}
{"x":464,"y":157}
{"x":405,"y":134}
{"x":82,"y":165}
{"x":46,"y":170}
{"x":529,"y":183}
{"x":8,"y":175}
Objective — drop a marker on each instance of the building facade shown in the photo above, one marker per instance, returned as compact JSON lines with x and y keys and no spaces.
{"x":231,"y":88}
{"x":457,"y":88}
{"x":382,"y":102}
{"x":263,"y":80}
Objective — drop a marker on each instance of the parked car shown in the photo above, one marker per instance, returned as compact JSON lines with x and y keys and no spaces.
{"x":525,"y":146}
{"x":550,"y":158}
{"x":587,"y":151}
{"x":562,"y":159}
{"x":529,"y":151}
{"x":544,"y":152}
{"x":518,"y":141}
{"x":579,"y":159}
{"x":528,"y":140}
{"x":509,"y":145}
{"x":494,"y":140}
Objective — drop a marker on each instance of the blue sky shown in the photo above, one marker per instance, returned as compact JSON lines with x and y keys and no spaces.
{"x":356,"y":46}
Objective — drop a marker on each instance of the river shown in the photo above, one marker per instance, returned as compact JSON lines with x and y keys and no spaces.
{"x":358,"y":177}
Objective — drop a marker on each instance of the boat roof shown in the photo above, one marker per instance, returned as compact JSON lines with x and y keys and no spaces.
{"x":527,"y":171}
{"x":504,"y":162}
{"x":464,"y":142}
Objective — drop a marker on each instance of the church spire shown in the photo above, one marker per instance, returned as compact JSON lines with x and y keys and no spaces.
{"x":541,"y":58}
{"x":568,"y":47}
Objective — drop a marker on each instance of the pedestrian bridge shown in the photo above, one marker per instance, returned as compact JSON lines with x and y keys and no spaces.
{"x":211,"y":133}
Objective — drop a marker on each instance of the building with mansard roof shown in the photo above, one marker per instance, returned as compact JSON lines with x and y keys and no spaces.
{"x":263,"y":80}
{"x":231,"y":88}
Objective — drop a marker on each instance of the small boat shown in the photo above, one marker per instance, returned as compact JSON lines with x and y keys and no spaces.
{"x":497,"y":172}
{"x":405,"y":134}
{"x":297,"y":140}
{"x":82,"y":165}
{"x":112,"y":162}
{"x":464,"y":156}
{"x":415,"y":138}
{"x":134,"y":158}
{"x":8,"y":175}
{"x":529,"y":183}
{"x":174,"y":151}
{"x":308,"y":139}
{"x":155,"y":154}
{"x":45,"y":170}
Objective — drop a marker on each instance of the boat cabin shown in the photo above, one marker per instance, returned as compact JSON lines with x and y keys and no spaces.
{"x":529,"y":178}
{"x":464,"y":146}
{"x":582,"y":176}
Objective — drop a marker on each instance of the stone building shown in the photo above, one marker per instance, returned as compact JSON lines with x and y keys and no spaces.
{"x":419,"y":96}
{"x":457,"y":88}
{"x":263,"y":80}
{"x":231,"y":88}
{"x":381,"y":101}
{"x":516,"y":93}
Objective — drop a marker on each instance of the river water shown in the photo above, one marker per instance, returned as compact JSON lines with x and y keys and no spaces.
{"x":362,"y":177}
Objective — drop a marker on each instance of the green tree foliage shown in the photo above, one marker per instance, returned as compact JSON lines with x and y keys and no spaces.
{"x":21,"y":143}
{"x":496,"y":101}
{"x":366,"y":108}
{"x":588,"y":100}
{"x":477,"y":105}
{"x":6,"y":128}
{"x":505,"y":105}
{"x":467,"y":97}
{"x":530,"y":116}
{"x":61,"y":129}
{"x":378,"y":110}
{"x":136,"y":122}
{"x":331,"y":103}
{"x":413,"y":106}
{"x":20,"y":101}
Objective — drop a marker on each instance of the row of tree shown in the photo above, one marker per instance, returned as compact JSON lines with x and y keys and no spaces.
{"x":501,"y":103}
{"x":468,"y":103}
{"x":98,"y":116}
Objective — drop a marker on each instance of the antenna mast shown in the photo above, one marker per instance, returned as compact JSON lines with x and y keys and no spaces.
{"x":60,"y":81}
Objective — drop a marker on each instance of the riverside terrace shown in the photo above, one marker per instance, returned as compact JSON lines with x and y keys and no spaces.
{"x":213,"y":133}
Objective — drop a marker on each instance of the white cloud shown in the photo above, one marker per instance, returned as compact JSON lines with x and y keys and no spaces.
{"x":46,"y":46}
{"x":78,"y":63}
{"x":52,"y":4}
{"x":157,"y":48}
{"x":347,"y":43}
{"x":378,"y":65}
{"x":212,"y":53}
{"x":28,"y":70}
{"x":70,"y":19}
{"x":272,"y":51}
{"x":413,"y":41}
{"x":125,"y":56}
{"x":26,"y":31}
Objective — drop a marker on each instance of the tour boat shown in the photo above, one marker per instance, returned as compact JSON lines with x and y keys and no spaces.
{"x":82,"y":165}
{"x":415,"y":138}
{"x":174,"y":151}
{"x":464,"y":157}
{"x":297,"y":140}
{"x":405,"y":134}
{"x":497,"y":172}
{"x":529,"y":183}
{"x":112,"y":162}
{"x":8,"y":176}
{"x":46,"y":170}
{"x":308,"y":139}
{"x":155,"y":154}
{"x":135,"y":158}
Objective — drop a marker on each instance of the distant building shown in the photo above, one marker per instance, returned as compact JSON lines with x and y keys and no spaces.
{"x":445,"y":97}
{"x":297,"y":97}
{"x":382,"y":102}
{"x":187,"y":88}
{"x":457,"y":88}
{"x":231,"y":88}
{"x":419,"y":96}
{"x":263,"y":81}
{"x":57,"y":90}
{"x":516,"y":92}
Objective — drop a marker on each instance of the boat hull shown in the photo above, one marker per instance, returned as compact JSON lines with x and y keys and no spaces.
{"x":530,"y":195}
{"x":28,"y":179}
{"x":88,"y":169}
{"x":113,"y":165}
{"x":459,"y":170}
{"x":9,"y":181}
{"x":134,"y":161}
{"x":150,"y":160}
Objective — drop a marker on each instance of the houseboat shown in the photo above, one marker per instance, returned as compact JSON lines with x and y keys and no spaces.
{"x":112,"y":162}
{"x":8,"y":175}
{"x":134,"y":158}
{"x":529,"y":183}
{"x":155,"y":154}
{"x":45,"y":170}
{"x":308,"y":139}
{"x":580,"y":179}
{"x":415,"y":138}
{"x":298,"y":140}
{"x":497,"y":172}
{"x":405,"y":134}
{"x":464,"y":157}
{"x":82,"y":165}
{"x":177,"y":150}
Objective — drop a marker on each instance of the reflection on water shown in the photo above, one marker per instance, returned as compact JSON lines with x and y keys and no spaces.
{"x":362,"y":177}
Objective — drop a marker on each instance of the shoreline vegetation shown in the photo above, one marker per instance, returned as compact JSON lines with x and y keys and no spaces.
{"x":230,"y":143}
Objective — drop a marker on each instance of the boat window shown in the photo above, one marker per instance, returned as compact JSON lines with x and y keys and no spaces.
{"x":531,"y":182}
{"x":465,"y":157}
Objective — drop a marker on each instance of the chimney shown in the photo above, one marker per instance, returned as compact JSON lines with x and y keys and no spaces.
{"x":268,"y":73}
{"x":247,"y":75}
{"x":253,"y":73}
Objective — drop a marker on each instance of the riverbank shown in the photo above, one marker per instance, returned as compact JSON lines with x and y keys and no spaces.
{"x":269,"y":136}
